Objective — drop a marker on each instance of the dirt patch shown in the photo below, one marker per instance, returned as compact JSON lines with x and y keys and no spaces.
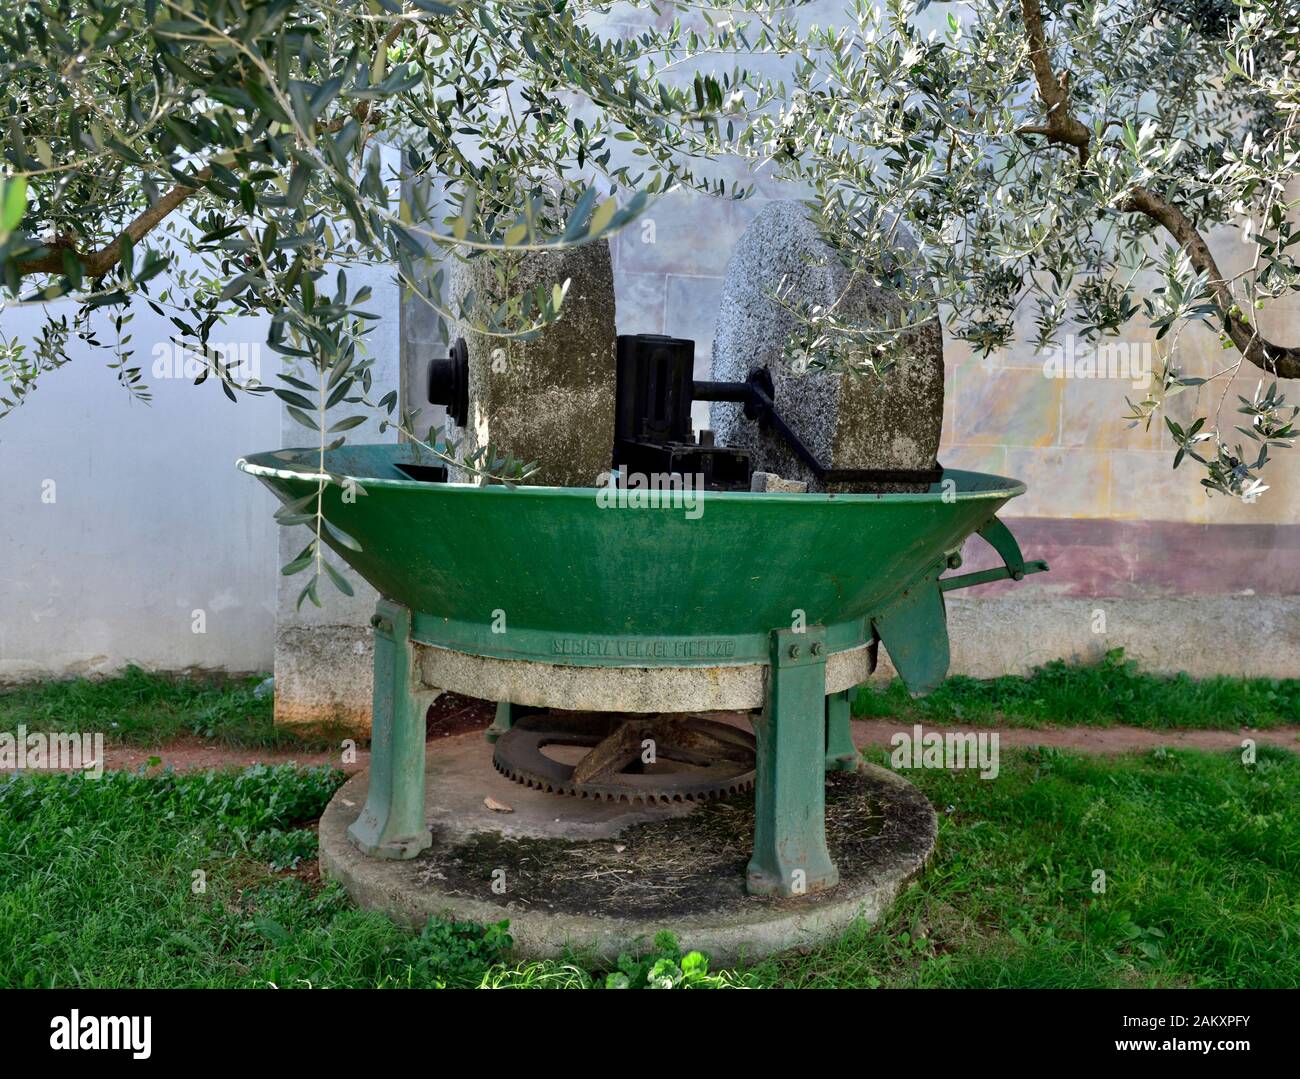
{"x":453,"y":714}
{"x":307,"y":871}
{"x":195,"y":755}
{"x":450,"y":714}
{"x":677,"y":866}
{"x":877,"y":733}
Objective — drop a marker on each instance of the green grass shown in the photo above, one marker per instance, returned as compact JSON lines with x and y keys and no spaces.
{"x":1106,"y":694}
{"x":1201,"y":855}
{"x":100,"y":886}
{"x":1202,"y":861}
{"x":139,"y":708}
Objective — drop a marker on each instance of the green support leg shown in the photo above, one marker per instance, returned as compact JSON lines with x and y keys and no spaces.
{"x":841,"y":753}
{"x":507,"y":716}
{"x":392,"y":823}
{"x":790,"y":856}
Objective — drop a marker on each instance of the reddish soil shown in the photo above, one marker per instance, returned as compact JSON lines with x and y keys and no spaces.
{"x":452,"y":714}
{"x":194,"y":754}
{"x":878,"y":732}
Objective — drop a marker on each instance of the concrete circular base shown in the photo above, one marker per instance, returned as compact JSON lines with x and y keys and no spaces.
{"x":599,"y":878}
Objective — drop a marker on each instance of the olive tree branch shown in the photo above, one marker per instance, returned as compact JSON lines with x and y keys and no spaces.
{"x":1063,"y":128}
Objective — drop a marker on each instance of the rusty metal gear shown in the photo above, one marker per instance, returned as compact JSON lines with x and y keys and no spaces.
{"x":720,"y":756}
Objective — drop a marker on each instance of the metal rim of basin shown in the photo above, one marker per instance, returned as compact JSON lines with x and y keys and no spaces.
{"x":584,"y":583}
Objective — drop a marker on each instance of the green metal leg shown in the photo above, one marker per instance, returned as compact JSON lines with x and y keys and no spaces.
{"x":841,"y":754}
{"x":790,"y":856}
{"x":392,"y":823}
{"x":507,"y":716}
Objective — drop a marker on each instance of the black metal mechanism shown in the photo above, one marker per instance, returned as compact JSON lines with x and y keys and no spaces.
{"x":652,"y":426}
{"x":655,"y":389}
{"x":652,"y":417}
{"x":449,"y":382}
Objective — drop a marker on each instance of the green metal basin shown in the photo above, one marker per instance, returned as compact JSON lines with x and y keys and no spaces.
{"x":559,"y":575}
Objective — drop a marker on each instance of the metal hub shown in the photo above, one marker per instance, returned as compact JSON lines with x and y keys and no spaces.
{"x":449,"y":382}
{"x":690,"y":758}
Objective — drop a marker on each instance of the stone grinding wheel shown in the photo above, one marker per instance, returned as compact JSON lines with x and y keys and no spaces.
{"x":847,"y":421}
{"x":721,"y":757}
{"x":549,"y":398}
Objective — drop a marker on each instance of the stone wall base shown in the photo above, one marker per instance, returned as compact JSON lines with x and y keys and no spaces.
{"x":1244,"y":635}
{"x":324,"y":676}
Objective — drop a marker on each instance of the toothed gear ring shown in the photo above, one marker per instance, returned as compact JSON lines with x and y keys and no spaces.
{"x":633,"y":758}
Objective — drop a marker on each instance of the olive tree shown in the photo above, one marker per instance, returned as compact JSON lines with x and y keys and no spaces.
{"x":246,"y":134}
{"x":1064,"y":161}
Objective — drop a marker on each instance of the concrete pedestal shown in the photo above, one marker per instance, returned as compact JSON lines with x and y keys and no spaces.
{"x":603,"y":878}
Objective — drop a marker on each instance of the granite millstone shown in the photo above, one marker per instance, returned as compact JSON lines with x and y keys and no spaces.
{"x":847,"y":420}
{"x":549,"y":399}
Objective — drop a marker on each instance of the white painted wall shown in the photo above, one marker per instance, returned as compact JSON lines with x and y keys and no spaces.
{"x":324,"y":655}
{"x":150,"y":520}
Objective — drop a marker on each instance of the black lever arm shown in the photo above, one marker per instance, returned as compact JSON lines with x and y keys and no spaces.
{"x":756,"y":395}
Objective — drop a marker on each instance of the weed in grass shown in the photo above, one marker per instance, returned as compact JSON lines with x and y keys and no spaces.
{"x":662,"y":967}
{"x":285,"y":850}
{"x":666,"y":968}
{"x":455,"y":953}
{"x":538,"y":976}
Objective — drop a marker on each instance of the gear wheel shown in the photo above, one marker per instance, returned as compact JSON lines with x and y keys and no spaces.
{"x":721,"y":757}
